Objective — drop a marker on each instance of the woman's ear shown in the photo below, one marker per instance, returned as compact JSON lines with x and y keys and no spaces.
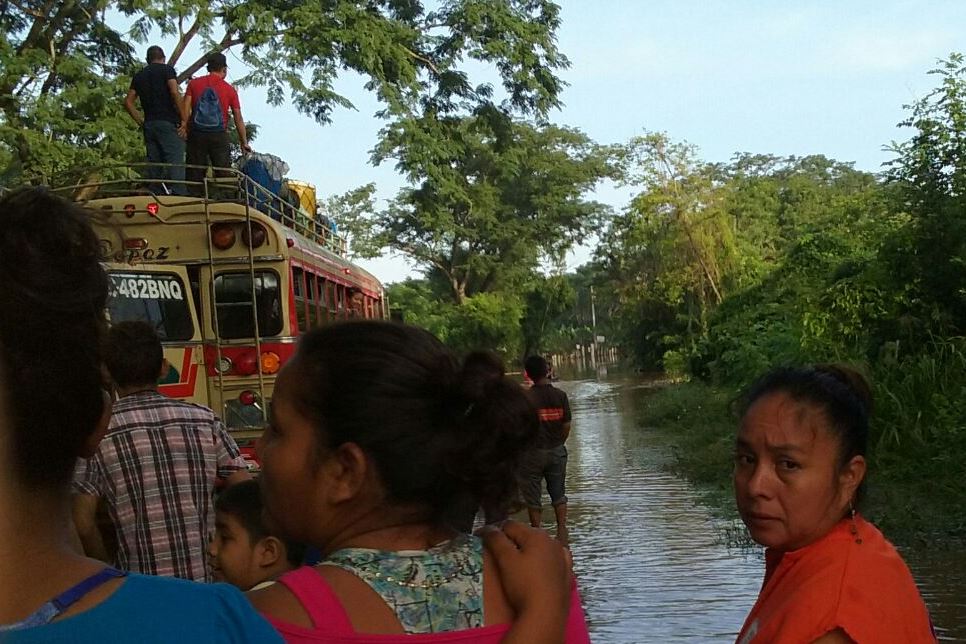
{"x":850,"y":477}
{"x":347,"y":469}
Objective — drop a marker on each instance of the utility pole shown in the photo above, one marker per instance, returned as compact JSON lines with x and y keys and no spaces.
{"x":593,"y":320}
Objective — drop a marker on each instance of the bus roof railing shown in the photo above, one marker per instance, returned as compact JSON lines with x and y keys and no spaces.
{"x":225,"y":185}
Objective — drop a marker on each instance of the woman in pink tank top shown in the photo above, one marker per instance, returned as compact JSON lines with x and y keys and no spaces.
{"x":378,"y":436}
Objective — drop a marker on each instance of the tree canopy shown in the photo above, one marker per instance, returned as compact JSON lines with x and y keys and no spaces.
{"x":489,"y":201}
{"x":65,"y":64}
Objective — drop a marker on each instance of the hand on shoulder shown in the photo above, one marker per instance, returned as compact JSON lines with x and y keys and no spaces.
{"x":535,"y":571}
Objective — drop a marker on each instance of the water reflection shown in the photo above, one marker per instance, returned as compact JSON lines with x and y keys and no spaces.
{"x":652,"y":561}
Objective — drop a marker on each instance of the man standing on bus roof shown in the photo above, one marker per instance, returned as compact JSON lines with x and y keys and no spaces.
{"x":208,"y":99}
{"x":156,"y":467}
{"x":156,"y":87}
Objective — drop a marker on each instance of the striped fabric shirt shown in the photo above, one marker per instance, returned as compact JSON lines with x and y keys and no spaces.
{"x":156,"y":470}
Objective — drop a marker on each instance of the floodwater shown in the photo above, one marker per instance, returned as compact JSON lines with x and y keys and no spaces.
{"x":653,"y":563}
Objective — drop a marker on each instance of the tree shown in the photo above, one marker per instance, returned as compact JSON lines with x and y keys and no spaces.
{"x":491,"y":198}
{"x":64,"y":64}
{"x":671,"y":255}
{"x":61,"y":69}
{"x":929,"y":173}
{"x":547,"y":299}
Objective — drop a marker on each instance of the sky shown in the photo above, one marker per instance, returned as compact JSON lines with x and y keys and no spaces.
{"x":784,"y":77}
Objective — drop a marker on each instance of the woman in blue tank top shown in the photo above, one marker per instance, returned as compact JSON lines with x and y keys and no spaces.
{"x":55,"y":407}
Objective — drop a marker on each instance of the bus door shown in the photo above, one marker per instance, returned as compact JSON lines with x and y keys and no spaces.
{"x":241,"y":371}
{"x":162,"y":297}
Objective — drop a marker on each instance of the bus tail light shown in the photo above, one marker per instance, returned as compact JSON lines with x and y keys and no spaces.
{"x":247,"y":397}
{"x":256,"y":237}
{"x":135,"y":243}
{"x":222,"y":236}
{"x":270,"y":362}
{"x":153,"y":209}
{"x":246,"y":364}
{"x":223,"y":366}
{"x":129,"y":210}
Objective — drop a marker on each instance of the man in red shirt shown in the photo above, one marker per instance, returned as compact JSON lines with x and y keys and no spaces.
{"x":209,"y":98}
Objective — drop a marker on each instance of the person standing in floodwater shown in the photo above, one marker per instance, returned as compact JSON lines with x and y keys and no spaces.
{"x":549,"y":461}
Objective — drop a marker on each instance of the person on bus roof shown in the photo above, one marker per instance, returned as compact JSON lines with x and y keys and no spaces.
{"x":208,"y":99}
{"x":163,"y":121}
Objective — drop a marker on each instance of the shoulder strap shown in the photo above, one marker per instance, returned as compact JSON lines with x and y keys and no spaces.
{"x":51,"y":609}
{"x":319,"y":601}
{"x":74,"y":593}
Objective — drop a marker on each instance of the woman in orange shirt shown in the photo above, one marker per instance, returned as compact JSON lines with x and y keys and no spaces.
{"x":830,"y":576}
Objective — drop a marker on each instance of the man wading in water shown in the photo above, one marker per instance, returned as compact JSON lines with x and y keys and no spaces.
{"x":549,"y":460}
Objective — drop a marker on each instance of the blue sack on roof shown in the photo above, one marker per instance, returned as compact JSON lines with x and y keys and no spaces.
{"x":266,"y":172}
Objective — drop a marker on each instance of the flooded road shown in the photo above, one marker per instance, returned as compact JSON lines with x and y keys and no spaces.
{"x":652,"y":562}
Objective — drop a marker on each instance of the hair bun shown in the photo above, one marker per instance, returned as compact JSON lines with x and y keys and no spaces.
{"x":851,"y":378}
{"x":481,"y":371}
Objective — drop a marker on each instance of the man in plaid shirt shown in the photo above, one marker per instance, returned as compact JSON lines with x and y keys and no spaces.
{"x":156,"y":467}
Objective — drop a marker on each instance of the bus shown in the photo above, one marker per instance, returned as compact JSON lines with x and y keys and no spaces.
{"x":229,"y":278}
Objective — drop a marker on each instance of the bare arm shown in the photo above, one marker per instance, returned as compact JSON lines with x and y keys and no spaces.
{"x":240,"y":126}
{"x":186,"y":107}
{"x":565,"y":430}
{"x":85,"y":520}
{"x":179,"y":104}
{"x":129,"y":106}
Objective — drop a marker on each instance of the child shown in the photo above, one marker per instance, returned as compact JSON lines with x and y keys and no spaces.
{"x":243,"y":552}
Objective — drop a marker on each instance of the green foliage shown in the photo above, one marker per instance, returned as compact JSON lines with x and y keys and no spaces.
{"x":485,"y":321}
{"x":832,"y":265}
{"x":490,"y":199}
{"x":547,"y":299}
{"x":60,"y":89}
{"x":929,"y":175}
{"x":64,"y":66}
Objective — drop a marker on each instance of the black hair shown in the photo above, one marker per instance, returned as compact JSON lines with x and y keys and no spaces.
{"x":437,"y":430}
{"x":840,"y":392}
{"x":244,"y":502}
{"x":133,"y":353}
{"x":216,"y":61}
{"x":155,"y":53}
{"x":52,"y":320}
{"x":536,"y":367}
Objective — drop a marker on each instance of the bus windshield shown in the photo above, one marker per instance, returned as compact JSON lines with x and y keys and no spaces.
{"x":159,"y":299}
{"x":233,"y":298}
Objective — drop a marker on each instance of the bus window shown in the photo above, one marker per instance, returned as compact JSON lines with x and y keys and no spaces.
{"x":330,"y":299}
{"x":323,"y":300}
{"x":159,"y":299}
{"x":297,"y":281}
{"x":298,"y":288}
{"x":233,"y":296}
{"x":312,"y":295}
{"x":340,"y":301}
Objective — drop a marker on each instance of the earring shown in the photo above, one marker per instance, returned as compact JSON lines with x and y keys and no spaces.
{"x":853,"y":528}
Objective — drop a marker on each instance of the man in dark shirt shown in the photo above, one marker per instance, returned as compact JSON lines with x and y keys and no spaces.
{"x":162,"y":123}
{"x":548,"y":462}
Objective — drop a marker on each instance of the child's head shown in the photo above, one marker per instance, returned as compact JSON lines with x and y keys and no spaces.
{"x":243,"y":552}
